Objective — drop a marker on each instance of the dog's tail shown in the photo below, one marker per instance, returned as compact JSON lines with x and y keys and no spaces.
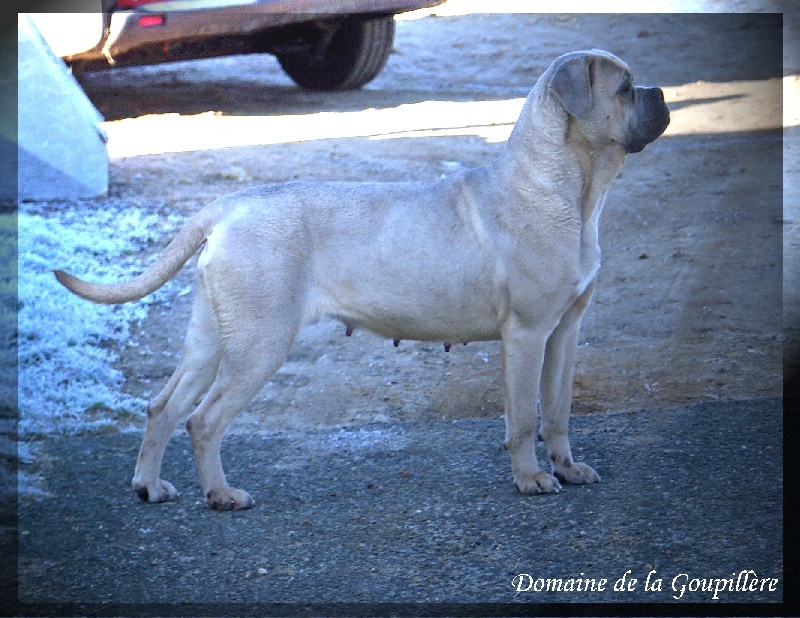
{"x":177,"y":253}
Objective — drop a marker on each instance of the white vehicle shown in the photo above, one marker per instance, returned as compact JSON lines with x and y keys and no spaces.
{"x":321,"y":44}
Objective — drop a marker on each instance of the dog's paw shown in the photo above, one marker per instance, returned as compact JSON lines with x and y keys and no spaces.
{"x":229,"y":499}
{"x":575,"y":472}
{"x":162,"y":491}
{"x":539,"y":483}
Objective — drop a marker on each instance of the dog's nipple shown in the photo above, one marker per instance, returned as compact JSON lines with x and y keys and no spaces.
{"x":396,"y":342}
{"x":349,"y":331}
{"x":447,"y":345}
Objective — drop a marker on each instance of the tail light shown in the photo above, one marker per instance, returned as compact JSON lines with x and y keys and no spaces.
{"x":148,"y":21}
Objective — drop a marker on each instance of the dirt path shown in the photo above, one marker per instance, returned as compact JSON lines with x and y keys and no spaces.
{"x":687,"y":306}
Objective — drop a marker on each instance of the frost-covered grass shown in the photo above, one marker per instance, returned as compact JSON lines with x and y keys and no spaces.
{"x":8,"y":314}
{"x":67,"y":346}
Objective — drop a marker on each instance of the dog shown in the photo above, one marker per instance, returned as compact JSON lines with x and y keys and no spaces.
{"x":508,"y":251}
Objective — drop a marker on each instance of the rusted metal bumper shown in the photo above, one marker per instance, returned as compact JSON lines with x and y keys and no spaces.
{"x":184,"y":19}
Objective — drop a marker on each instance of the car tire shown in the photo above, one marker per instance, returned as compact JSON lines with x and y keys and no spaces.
{"x":356,"y":53}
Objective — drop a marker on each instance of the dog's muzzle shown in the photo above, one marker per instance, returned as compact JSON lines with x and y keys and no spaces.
{"x":652,"y":116}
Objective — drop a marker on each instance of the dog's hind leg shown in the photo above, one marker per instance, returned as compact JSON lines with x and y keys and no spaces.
{"x":244,"y":369}
{"x":258,"y":325}
{"x":192,"y":378}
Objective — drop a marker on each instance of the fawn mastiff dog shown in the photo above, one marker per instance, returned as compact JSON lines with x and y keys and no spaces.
{"x":508,"y":251}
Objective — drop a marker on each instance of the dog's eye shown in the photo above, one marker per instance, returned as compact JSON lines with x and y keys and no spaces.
{"x":626,"y":89}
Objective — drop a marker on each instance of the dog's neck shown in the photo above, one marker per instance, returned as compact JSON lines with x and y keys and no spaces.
{"x":556,"y":149}
{"x":545,"y":148}
{"x":598,"y":167}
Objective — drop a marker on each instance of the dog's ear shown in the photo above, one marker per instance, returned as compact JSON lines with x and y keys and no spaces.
{"x":571,"y":83}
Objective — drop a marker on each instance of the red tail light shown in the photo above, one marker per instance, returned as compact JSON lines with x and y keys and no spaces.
{"x":148,"y":21}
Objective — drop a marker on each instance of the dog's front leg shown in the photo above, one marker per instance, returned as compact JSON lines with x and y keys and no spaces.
{"x":557,"y":378}
{"x":523,"y":354}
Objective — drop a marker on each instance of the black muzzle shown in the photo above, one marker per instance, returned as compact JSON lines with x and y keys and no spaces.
{"x":652,"y":118}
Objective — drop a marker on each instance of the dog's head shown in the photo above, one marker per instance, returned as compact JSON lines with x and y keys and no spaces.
{"x":597,"y":90}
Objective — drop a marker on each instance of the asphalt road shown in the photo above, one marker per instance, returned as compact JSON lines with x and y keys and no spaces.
{"x":418,"y":512}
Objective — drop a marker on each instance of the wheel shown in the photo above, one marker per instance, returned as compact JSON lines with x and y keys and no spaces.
{"x":351,"y":55}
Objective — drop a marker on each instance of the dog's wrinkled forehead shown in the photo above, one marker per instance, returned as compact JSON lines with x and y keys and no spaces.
{"x":596,"y":62}
{"x":608,"y":64}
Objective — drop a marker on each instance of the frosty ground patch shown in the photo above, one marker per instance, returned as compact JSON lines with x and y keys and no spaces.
{"x":67,"y":346}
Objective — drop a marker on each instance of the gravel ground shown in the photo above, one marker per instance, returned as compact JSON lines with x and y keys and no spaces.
{"x":421,"y":512}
